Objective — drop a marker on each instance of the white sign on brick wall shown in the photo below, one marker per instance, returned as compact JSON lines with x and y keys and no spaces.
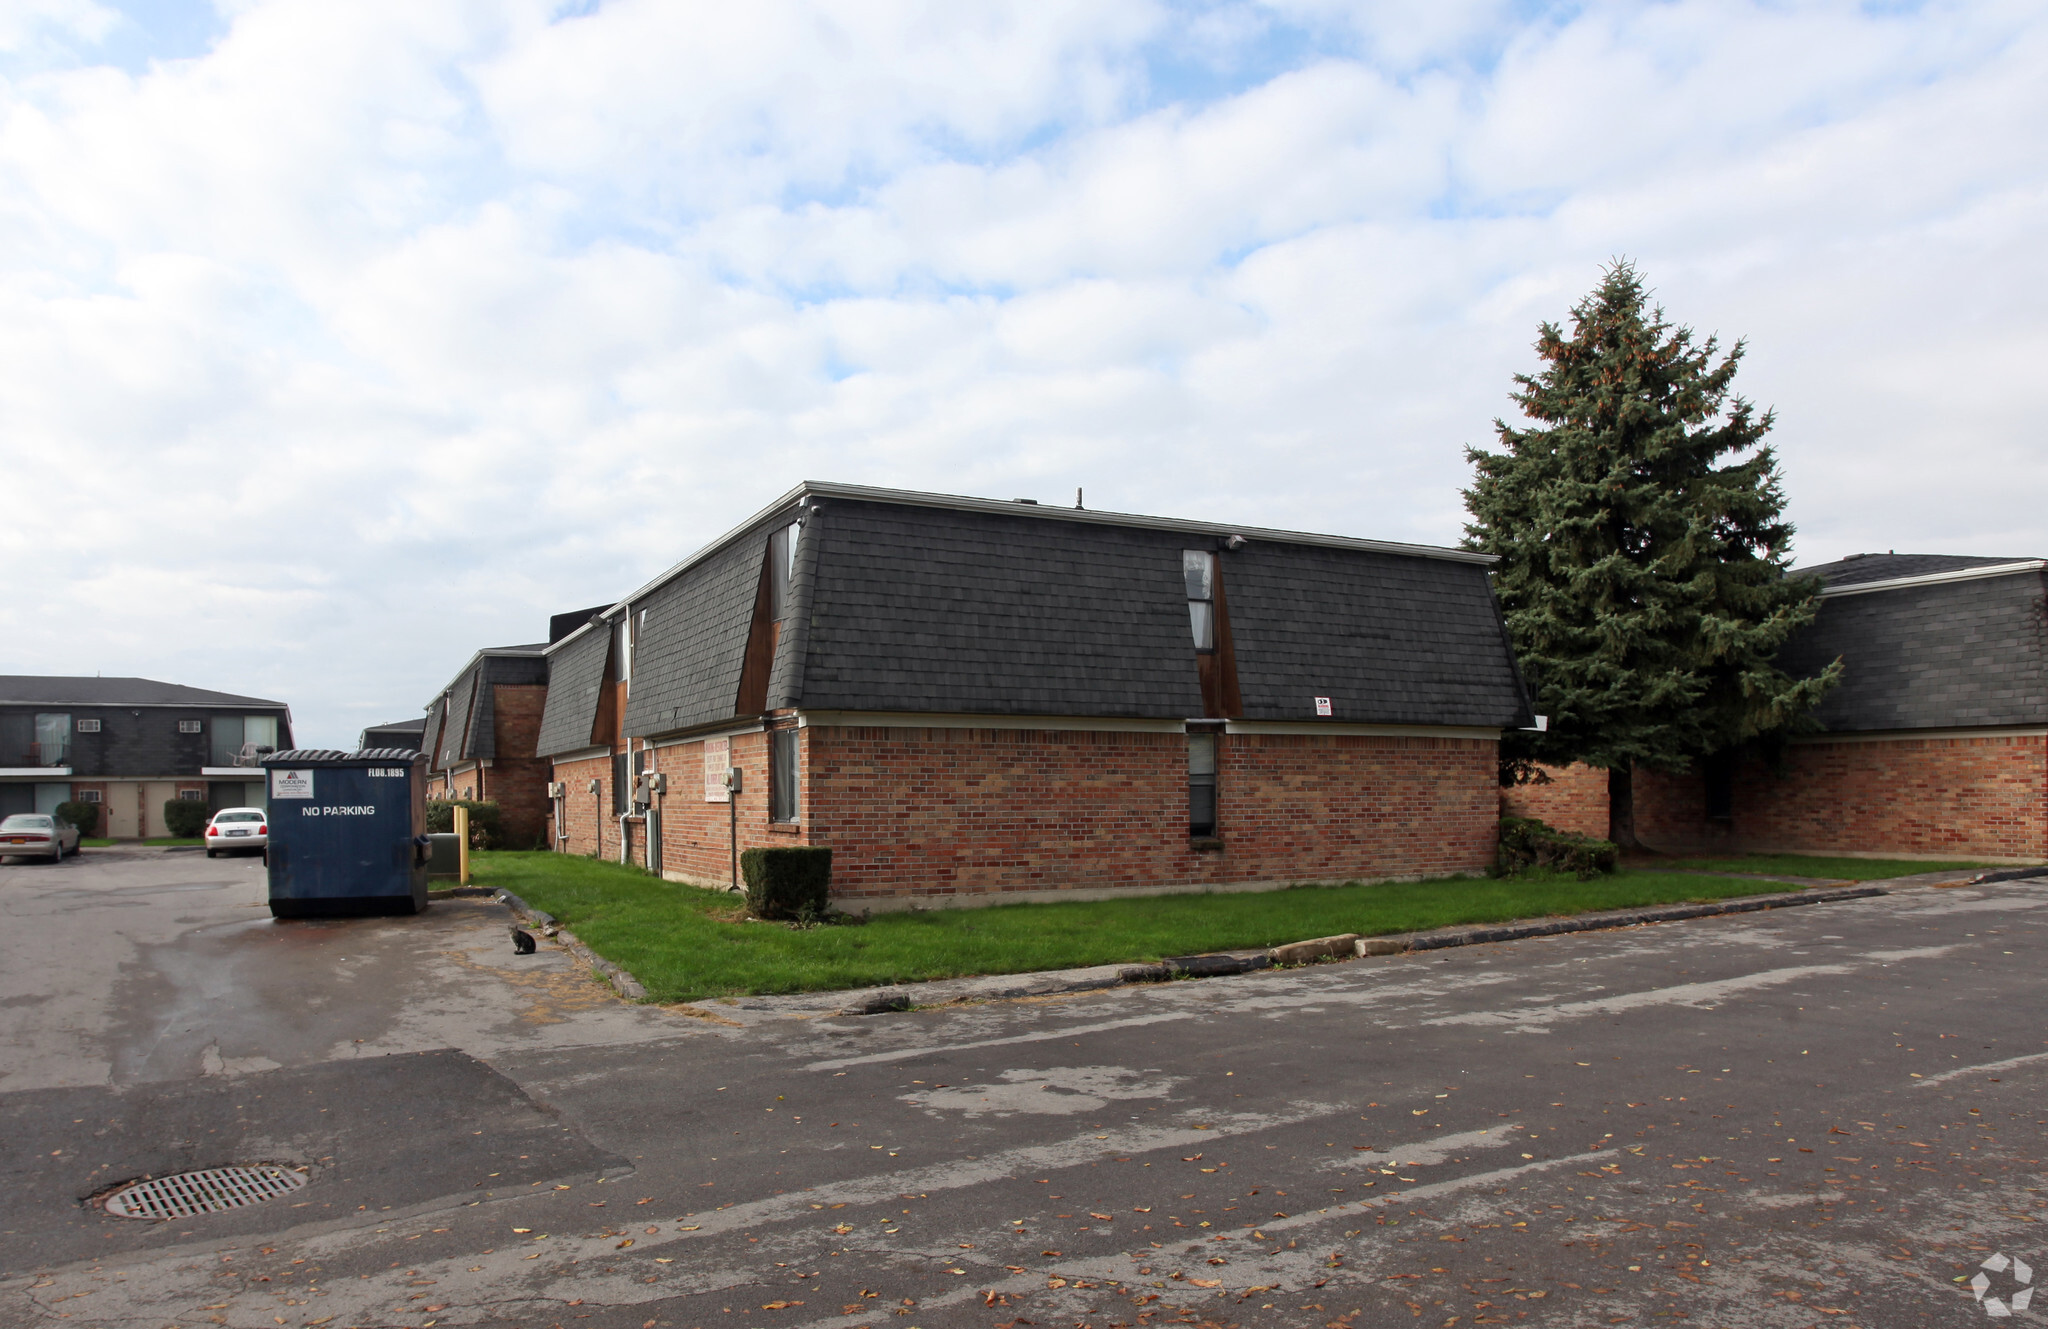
{"x":717,"y":758}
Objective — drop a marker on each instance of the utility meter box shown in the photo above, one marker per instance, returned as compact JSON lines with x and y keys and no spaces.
{"x":347,"y":832}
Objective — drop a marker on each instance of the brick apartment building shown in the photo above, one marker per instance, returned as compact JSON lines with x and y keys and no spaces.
{"x":971,"y":701}
{"x":479,"y":736}
{"x":131,"y":745}
{"x":1935,"y":744}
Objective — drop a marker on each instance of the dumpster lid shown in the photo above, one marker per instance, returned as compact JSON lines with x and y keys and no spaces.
{"x":336,"y":757}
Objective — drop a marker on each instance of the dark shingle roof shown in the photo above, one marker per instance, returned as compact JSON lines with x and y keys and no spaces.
{"x":575,"y":673}
{"x":55,"y":690}
{"x":1944,"y":655}
{"x":924,"y":609}
{"x":923,"y":603}
{"x":1389,"y":639}
{"x":461,"y":710}
{"x":397,"y":733}
{"x":687,"y":661}
{"x":1859,"y":568}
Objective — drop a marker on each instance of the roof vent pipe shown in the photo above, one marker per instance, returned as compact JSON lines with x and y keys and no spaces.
{"x":1235,"y":542}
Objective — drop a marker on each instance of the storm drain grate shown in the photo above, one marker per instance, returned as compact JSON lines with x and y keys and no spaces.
{"x":184,"y":1194}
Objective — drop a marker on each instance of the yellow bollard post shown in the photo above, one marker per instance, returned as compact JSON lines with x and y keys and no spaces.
{"x":462,"y":846}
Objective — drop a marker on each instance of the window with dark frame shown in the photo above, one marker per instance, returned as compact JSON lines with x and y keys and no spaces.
{"x":88,"y":726}
{"x":184,"y":726}
{"x":783,"y":802}
{"x":621,"y":782}
{"x":1202,"y":784}
{"x":89,"y":796}
{"x":1198,"y":568}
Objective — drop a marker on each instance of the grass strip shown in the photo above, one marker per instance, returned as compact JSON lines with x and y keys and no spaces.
{"x":1818,"y":865}
{"x":685,"y":943}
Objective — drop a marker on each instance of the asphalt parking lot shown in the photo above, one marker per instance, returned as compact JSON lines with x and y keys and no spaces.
{"x":1825,"y":1115}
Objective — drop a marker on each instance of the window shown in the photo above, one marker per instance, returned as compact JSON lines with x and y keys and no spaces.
{"x":1202,"y":784}
{"x":1198,"y":567}
{"x":781,"y":567}
{"x":184,"y":726}
{"x":191,"y":795}
{"x":621,"y":782}
{"x":88,"y":726}
{"x":53,"y":740}
{"x":89,"y":796}
{"x":782,"y":775}
{"x":260,"y":730}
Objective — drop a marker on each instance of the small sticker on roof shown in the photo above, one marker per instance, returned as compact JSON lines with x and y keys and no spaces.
{"x":1323,"y":706}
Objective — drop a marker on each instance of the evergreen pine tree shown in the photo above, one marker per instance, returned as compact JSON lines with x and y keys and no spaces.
{"x":1643,"y":550}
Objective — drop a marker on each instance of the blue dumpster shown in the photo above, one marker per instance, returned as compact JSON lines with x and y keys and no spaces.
{"x":348,"y":832}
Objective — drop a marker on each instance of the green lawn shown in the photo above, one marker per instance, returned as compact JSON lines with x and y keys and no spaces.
{"x":1815,"y":865}
{"x":686,"y":943}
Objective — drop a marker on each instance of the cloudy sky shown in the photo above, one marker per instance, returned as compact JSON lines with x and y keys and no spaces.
{"x":339,"y":340}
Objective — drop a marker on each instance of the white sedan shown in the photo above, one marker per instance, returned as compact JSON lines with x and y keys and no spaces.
{"x":237,"y":828}
{"x":37,"y":835}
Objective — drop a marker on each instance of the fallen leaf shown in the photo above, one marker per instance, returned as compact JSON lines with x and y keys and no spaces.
{"x":780,"y":1305}
{"x":622,"y":1245}
{"x":1104,"y":1217}
{"x":1191,"y":1158}
{"x":1055,"y":1282}
{"x":1206,"y":1282}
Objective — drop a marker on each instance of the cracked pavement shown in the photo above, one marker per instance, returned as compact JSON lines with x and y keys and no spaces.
{"x":1629,"y":1127}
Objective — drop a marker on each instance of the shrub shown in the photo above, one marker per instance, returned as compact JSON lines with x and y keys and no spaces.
{"x":85,"y":816}
{"x":794,"y":882}
{"x":185,"y":818}
{"x":486,"y":826}
{"x":1526,"y":843}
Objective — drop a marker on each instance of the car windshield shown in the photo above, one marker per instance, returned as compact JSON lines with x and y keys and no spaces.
{"x":24,"y":822}
{"x":239,"y":816}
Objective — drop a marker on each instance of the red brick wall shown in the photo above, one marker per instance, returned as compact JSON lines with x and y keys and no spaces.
{"x":1964,"y":797}
{"x":516,"y":779}
{"x":934,"y":812}
{"x":587,"y":818}
{"x":1574,"y":800}
{"x":695,"y":835}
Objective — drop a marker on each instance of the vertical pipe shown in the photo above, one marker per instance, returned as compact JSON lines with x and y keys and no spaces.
{"x":462,"y":846}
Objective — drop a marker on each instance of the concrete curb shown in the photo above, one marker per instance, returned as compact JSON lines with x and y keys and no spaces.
{"x":1225,"y":963}
{"x":622,"y":982}
{"x":1440,"y":938}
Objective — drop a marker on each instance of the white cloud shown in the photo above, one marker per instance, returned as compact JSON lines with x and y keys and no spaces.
{"x":380,"y":331}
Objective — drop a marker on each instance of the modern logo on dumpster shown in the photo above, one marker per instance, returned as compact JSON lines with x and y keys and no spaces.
{"x":291,"y":784}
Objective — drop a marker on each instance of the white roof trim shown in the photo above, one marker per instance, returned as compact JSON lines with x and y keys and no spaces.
{"x":1010,"y":508}
{"x":1935,"y":578}
{"x":41,"y":772}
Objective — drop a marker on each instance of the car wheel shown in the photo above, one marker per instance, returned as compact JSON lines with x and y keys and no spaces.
{"x":209,"y":853}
